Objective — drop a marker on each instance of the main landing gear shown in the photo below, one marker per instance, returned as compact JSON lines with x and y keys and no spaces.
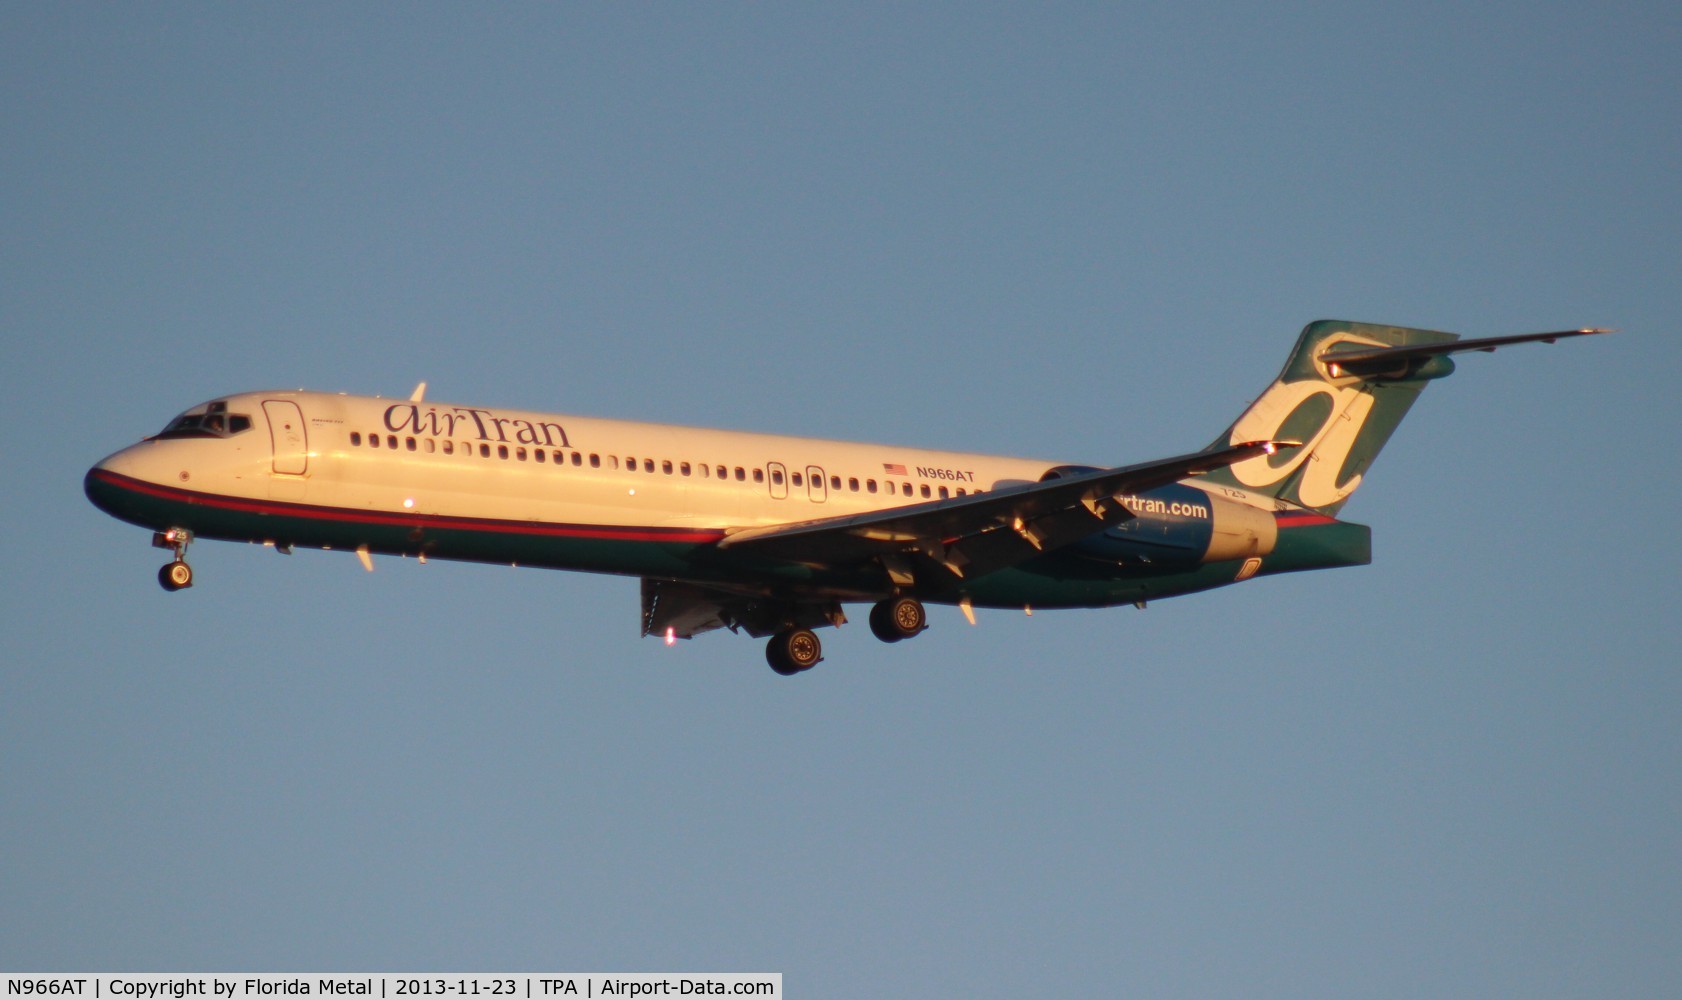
{"x":796,"y":650}
{"x":898,"y":618}
{"x":175,"y":575}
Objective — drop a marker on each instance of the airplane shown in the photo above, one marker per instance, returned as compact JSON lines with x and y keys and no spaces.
{"x":772,"y":535}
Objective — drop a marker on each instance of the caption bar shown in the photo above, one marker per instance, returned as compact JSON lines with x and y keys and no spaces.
{"x":390,"y":986}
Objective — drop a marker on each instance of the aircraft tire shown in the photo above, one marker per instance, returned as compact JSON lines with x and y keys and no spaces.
{"x":175,"y":576}
{"x":898,"y":618}
{"x":794,"y":651}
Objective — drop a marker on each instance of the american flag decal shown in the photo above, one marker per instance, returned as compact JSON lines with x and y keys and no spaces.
{"x":894,"y":470}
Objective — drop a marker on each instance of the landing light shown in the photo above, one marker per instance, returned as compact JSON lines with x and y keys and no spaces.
{"x":671,"y":636}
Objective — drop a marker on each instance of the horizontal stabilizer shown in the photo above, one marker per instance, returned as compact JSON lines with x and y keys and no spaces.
{"x":1365,"y":361}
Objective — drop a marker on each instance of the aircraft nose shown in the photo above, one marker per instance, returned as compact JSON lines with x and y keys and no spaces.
{"x":115,"y":484}
{"x":119,"y":463}
{"x":100,"y":487}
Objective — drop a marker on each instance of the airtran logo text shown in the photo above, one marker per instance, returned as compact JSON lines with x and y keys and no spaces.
{"x":467,"y":421}
{"x":1151,"y":505}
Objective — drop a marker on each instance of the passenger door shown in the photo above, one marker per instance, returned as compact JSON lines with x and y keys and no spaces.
{"x":286,"y":433}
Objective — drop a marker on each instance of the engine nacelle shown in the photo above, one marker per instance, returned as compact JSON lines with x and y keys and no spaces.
{"x":1182,"y":525}
{"x":1239,"y":531}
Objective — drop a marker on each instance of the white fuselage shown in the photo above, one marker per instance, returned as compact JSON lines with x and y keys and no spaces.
{"x":368,"y":453}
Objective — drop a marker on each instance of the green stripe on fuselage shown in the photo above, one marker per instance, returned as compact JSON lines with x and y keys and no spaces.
{"x":1058,"y":579}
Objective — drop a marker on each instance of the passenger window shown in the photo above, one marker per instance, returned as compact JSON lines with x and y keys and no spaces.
{"x":630,"y":465}
{"x":356,"y":439}
{"x":758,"y":475}
{"x":502,"y":451}
{"x":666,"y":466}
{"x":578,"y":458}
{"x":723,"y":473}
{"x":539,"y":454}
{"x":484,"y":451}
{"x":944,"y":495}
{"x":428,"y":445}
{"x":740,"y":476}
{"x":776,"y":477}
{"x":796,"y":477}
{"x":835,"y":483}
{"x":925,"y":491}
{"x":853,"y":485}
{"x":870,"y":486}
{"x":706,"y":472}
{"x":684,"y":468}
{"x":595,"y":461}
{"x":520,"y":453}
{"x":409,"y":443}
{"x":449,"y":447}
{"x":391,"y":441}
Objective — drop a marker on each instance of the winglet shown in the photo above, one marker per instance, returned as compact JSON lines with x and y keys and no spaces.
{"x":419,"y":393}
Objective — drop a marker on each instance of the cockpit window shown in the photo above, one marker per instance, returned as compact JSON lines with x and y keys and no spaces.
{"x":209,"y":421}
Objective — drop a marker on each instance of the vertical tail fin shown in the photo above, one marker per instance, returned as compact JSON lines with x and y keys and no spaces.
{"x":1341,"y":413}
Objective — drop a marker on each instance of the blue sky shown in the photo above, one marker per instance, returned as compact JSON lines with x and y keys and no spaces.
{"x":1079,"y":232}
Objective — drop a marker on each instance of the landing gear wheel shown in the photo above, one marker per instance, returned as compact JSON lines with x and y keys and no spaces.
{"x":793,"y":651}
{"x":898,"y":618}
{"x":175,"y":576}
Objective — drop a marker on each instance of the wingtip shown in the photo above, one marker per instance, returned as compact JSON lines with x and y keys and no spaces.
{"x":1268,"y":447}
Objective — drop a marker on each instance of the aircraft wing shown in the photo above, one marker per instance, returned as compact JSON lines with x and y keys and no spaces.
{"x":978,"y":534}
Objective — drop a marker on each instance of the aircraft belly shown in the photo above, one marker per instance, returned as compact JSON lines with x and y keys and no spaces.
{"x":1045,"y":587}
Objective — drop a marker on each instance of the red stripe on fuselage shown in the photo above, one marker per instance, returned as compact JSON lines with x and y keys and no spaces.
{"x":622,"y":533}
{"x":1300,"y":518}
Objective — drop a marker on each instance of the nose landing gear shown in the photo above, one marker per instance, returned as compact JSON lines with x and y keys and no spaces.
{"x":175,"y":575}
